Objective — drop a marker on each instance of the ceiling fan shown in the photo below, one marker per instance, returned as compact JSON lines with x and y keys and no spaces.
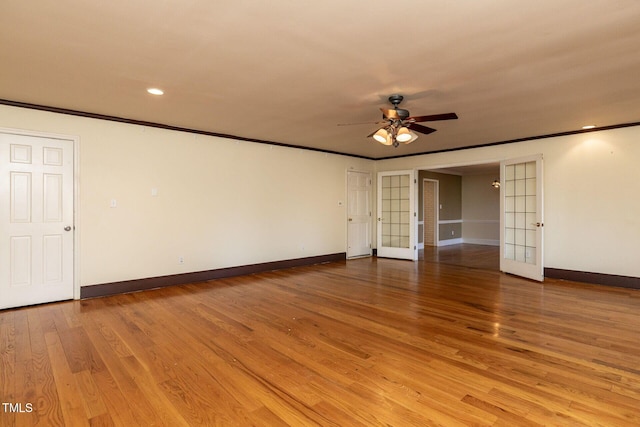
{"x":399,"y":127}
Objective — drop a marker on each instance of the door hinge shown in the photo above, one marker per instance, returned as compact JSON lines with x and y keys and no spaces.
{"x":415,"y":214}
{"x":414,"y":248}
{"x":415,"y":181}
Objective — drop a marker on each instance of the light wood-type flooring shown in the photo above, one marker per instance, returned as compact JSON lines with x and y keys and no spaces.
{"x":367,"y":342}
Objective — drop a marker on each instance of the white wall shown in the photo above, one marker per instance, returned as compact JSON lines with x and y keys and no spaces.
{"x":591,"y":195}
{"x":223,"y":203}
{"x":220,"y":202}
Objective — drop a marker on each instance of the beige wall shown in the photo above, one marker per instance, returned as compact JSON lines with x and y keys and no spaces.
{"x":220,"y":202}
{"x":450,"y":188}
{"x":591,"y":201}
{"x":450,"y":203}
{"x":480,"y":209}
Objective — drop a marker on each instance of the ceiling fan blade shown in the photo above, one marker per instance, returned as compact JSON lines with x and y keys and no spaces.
{"x":434,"y":117}
{"x":419,"y":128}
{"x":390,"y":114}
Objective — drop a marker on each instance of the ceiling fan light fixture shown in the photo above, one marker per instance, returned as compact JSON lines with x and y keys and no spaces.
{"x":404,"y":135}
{"x":400,"y":125}
{"x":382,"y":136}
{"x":414,"y":136}
{"x":390,"y":140}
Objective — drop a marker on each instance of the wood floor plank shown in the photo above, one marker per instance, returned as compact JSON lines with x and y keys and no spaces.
{"x":7,"y":367}
{"x":361,"y":343}
{"x":70,"y":395}
{"x":46,"y":400}
{"x":94,"y":406}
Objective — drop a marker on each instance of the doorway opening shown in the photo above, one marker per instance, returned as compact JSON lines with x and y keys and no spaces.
{"x":460,"y":224}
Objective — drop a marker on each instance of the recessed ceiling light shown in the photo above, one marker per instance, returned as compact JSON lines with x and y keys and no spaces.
{"x":588,"y":127}
{"x":155,"y":91}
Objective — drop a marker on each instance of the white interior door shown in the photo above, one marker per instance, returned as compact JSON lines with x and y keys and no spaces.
{"x":358,"y":214}
{"x":521,"y":217}
{"x":397,"y":222}
{"x":36,"y":216}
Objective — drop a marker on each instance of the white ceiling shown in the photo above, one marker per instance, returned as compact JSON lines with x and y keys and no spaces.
{"x":290,"y":71}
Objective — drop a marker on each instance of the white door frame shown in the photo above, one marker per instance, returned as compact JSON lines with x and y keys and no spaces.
{"x":436,"y":217}
{"x":76,"y":194}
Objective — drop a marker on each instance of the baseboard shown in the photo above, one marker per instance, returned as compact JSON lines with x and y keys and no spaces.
{"x":135,"y":285}
{"x":449,"y":242}
{"x":486,"y":242}
{"x":594,"y":278}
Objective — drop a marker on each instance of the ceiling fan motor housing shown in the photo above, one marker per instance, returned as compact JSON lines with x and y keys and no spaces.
{"x":396,"y":99}
{"x":402,"y":113}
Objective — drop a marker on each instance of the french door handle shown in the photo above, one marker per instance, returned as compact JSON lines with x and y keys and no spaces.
{"x":67,"y":228}
{"x":538,"y":224}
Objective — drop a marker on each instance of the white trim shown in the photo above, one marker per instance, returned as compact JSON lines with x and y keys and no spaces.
{"x":436,"y":196}
{"x":487,"y":242}
{"x":76,"y":217}
{"x":76,"y":194}
{"x":450,"y":221}
{"x":450,"y":242}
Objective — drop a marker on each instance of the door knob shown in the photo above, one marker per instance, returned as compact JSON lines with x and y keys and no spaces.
{"x":350,"y":219}
{"x":67,"y":228}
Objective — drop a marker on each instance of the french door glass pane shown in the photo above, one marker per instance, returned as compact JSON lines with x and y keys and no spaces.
{"x":395,"y":211}
{"x":520,"y":212}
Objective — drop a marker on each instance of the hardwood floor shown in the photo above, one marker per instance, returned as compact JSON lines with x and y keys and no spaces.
{"x":360,"y":343}
{"x":464,"y":254}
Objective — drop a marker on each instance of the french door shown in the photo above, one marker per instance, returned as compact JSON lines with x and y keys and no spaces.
{"x":397,"y":224}
{"x":36,"y":219}
{"x":521,"y":217}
